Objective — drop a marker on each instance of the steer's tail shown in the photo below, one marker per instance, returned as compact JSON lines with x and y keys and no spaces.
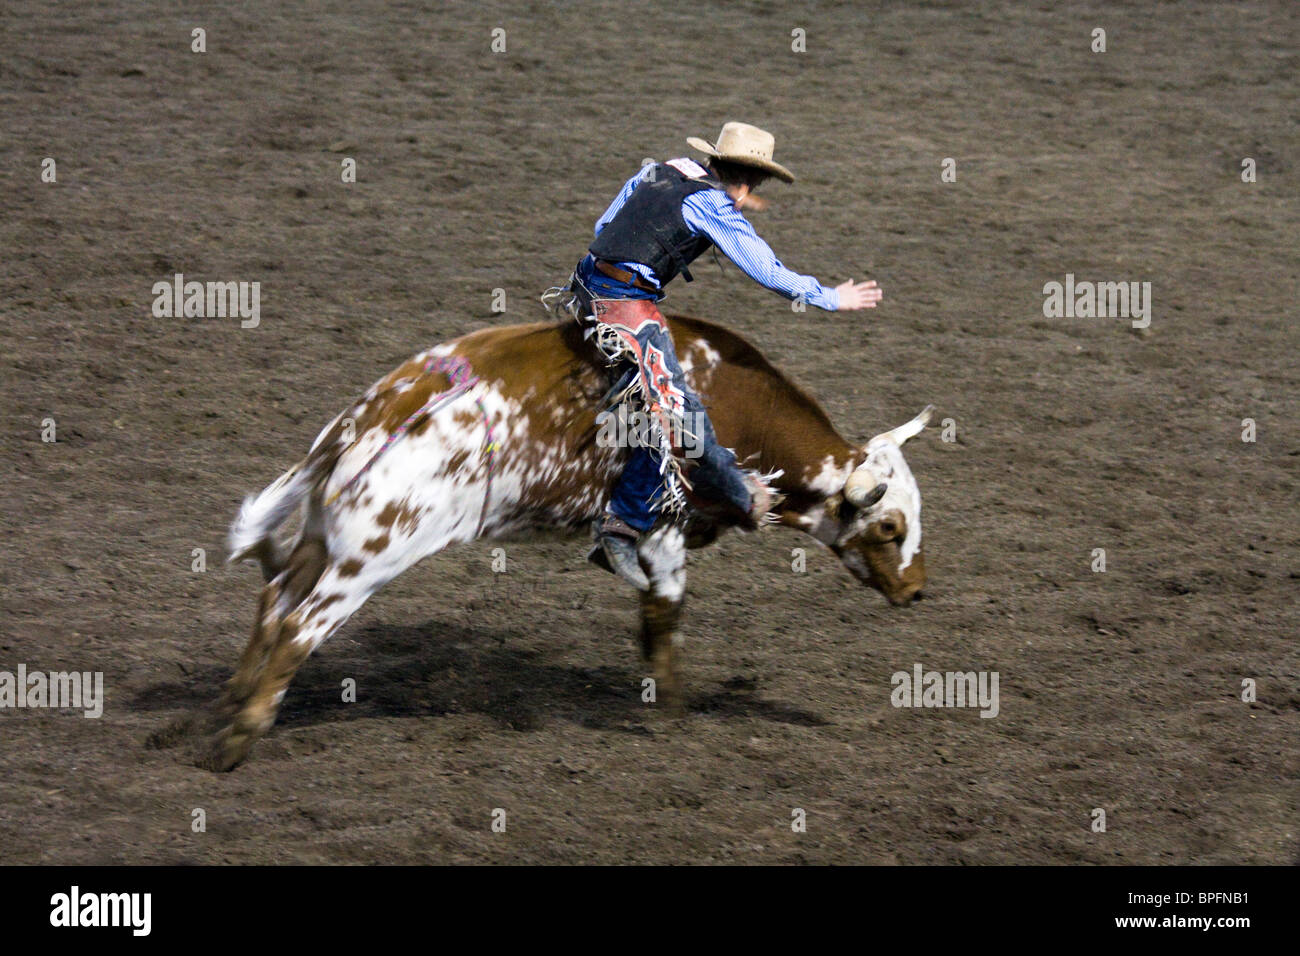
{"x":251,"y":534}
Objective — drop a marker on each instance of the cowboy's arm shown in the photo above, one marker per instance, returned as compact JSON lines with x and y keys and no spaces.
{"x":621,"y":198}
{"x":712,"y":213}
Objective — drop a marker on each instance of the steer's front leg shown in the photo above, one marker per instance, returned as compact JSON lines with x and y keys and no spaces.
{"x":663,"y":556}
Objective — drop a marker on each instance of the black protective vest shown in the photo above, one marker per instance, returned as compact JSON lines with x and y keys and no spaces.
{"x":649,"y":229}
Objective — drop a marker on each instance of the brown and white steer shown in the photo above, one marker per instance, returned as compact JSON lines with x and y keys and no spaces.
{"x":540,"y":386}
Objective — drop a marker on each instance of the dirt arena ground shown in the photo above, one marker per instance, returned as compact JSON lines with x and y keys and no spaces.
{"x":478,"y":170}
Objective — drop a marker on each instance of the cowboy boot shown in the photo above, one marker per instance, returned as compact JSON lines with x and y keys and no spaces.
{"x":615,"y":551}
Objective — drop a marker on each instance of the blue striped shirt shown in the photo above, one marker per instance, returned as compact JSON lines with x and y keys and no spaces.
{"x":712,"y":213}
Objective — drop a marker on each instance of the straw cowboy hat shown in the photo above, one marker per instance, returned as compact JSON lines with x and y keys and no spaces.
{"x":745,"y":144}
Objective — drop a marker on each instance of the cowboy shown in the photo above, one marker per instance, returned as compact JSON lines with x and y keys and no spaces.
{"x":663,"y":218}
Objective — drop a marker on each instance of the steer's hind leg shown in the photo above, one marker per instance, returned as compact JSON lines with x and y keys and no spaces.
{"x":298,"y":610}
{"x":331,"y":602}
{"x":663,"y":555}
{"x":249,"y":668}
{"x":280,"y":595}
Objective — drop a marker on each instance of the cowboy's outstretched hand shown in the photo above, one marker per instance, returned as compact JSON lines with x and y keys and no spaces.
{"x":858,"y":295}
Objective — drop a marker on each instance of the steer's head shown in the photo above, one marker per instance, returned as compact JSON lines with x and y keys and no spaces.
{"x":874,"y":523}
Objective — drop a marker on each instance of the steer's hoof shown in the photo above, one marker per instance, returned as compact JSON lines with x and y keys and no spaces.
{"x":224,"y":752}
{"x":671,"y":703}
{"x":669,"y":696}
{"x":229,"y":746}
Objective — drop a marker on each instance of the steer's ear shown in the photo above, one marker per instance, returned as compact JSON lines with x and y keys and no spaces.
{"x":913,"y":428}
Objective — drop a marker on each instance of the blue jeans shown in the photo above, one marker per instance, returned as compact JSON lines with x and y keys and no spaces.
{"x":710,"y":468}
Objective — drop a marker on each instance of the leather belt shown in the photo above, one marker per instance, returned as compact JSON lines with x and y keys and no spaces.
{"x":623,"y":275}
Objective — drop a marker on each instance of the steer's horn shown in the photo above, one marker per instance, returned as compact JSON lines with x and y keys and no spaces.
{"x":862,"y":490}
{"x":913,"y":428}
